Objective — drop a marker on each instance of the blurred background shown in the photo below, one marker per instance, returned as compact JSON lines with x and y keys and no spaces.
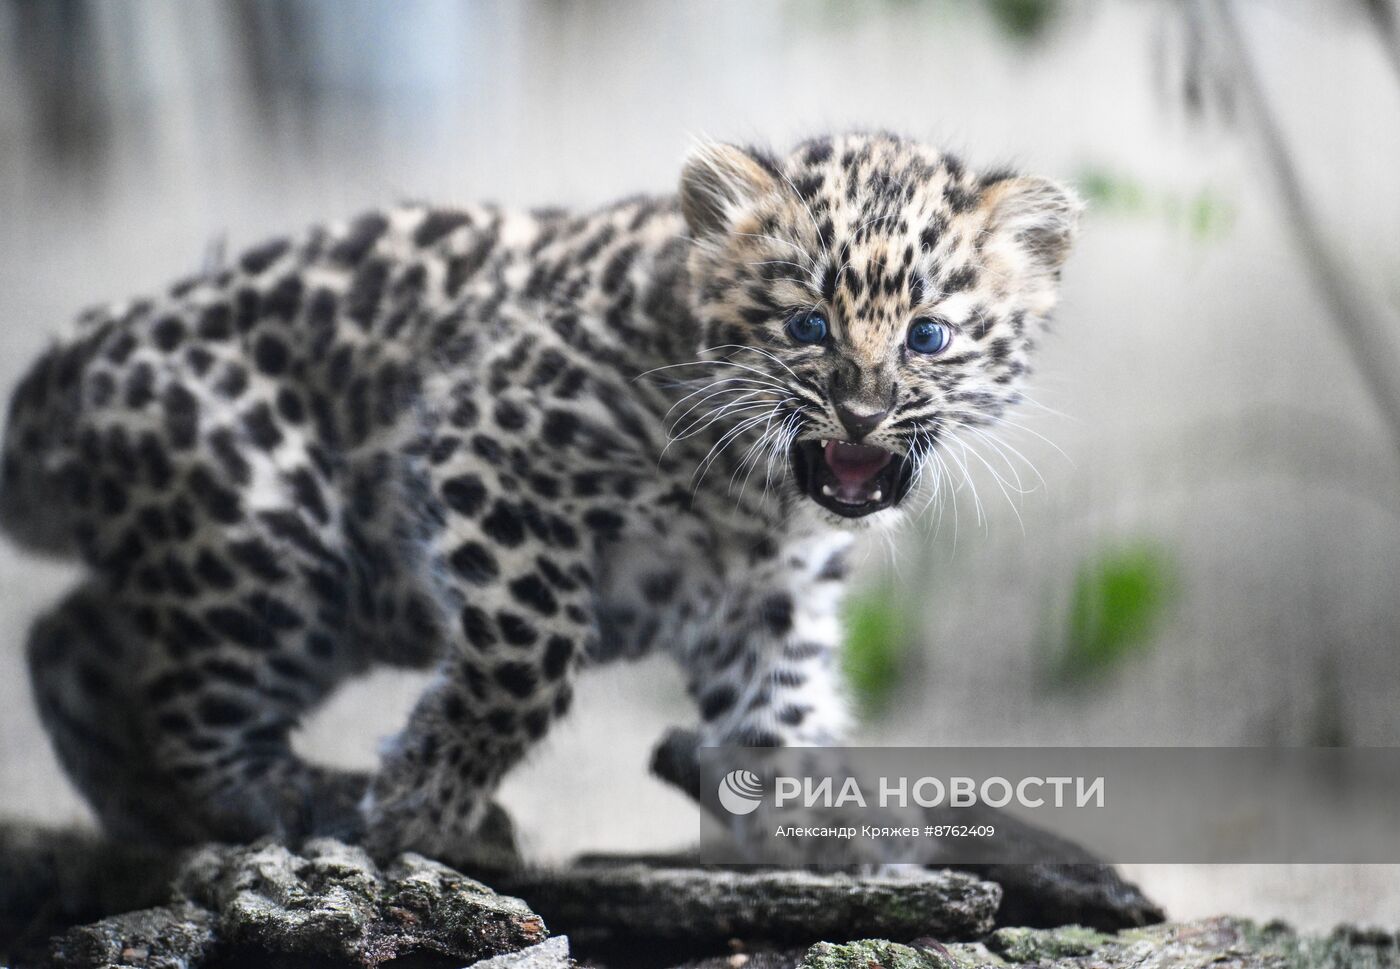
{"x":1192,"y":539}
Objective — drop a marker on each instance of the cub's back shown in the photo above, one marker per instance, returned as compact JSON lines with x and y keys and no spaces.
{"x":320,"y":332}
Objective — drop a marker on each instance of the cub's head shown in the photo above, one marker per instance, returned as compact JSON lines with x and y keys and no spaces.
{"x":867,"y":297}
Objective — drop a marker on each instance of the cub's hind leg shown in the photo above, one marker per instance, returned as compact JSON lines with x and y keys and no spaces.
{"x":217,"y":615}
{"x":82,"y":657}
{"x":91,"y":671}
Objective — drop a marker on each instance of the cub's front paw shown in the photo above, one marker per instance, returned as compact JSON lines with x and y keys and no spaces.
{"x":481,"y":842}
{"x":1043,"y":895}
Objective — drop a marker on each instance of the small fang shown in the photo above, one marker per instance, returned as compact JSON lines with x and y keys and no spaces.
{"x":826,"y":490}
{"x":825,"y":442}
{"x":877,"y":495}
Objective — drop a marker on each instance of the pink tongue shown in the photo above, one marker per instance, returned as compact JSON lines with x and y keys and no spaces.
{"x":854,"y":465}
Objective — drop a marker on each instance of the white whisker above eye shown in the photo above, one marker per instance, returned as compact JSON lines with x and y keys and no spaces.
{"x":748,"y":349}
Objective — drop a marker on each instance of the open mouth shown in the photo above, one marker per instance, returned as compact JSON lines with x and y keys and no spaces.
{"x":852,"y":480}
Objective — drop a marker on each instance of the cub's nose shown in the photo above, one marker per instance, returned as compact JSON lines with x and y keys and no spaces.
{"x":857,"y":423}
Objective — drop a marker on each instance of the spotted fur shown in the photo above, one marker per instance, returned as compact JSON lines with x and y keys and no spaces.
{"x":504,"y":445}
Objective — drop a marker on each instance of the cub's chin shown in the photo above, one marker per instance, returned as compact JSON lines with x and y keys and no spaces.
{"x":850,"y":481}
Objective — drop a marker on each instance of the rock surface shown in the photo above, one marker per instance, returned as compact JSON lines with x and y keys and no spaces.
{"x":549,"y":954}
{"x":871,"y":952}
{"x":53,"y":878}
{"x":714,"y":904}
{"x":168,"y":937}
{"x":333,"y":902}
{"x":1220,"y":943}
{"x":328,"y":905}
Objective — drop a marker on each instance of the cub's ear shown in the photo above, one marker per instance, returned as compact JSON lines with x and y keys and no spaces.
{"x":720,"y":182}
{"x":1037,"y":216}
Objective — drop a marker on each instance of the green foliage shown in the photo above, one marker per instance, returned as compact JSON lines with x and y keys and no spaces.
{"x":1023,"y":20}
{"x":877,"y":641}
{"x":1204,"y":214}
{"x":1020,"y":21}
{"x":1119,"y":599}
{"x":1209,"y":216}
{"x":1107,"y":191}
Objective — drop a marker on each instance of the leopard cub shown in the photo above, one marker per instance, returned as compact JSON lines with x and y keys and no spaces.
{"x":505,"y":445}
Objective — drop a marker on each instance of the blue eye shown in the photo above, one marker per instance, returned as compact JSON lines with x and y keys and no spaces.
{"x":929,"y":336}
{"x":807,"y":327}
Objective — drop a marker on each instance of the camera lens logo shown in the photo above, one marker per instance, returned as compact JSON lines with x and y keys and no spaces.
{"x":740,"y":792}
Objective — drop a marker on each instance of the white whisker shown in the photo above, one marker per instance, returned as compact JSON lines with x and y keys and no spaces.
{"x":728,"y":410}
{"x":759,"y":350}
{"x":969,"y":449}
